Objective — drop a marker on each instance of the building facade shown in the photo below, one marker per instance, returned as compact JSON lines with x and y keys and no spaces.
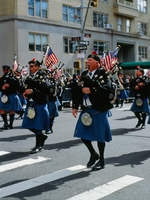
{"x":26,"y":26}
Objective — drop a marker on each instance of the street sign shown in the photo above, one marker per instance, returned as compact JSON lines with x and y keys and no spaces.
{"x":87,"y":35}
{"x":83,"y":42}
{"x":75,"y":38}
{"x":83,"y":47}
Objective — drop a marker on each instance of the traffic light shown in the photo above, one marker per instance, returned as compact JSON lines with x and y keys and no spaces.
{"x":94,"y":3}
{"x":77,"y":65}
{"x":85,"y":64}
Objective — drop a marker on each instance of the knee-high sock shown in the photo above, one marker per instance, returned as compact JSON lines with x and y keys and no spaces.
{"x":4,"y":117}
{"x":122,"y":100}
{"x":11,"y":117}
{"x":137,"y":114}
{"x":143,"y":117}
{"x":101,"y":147}
{"x":39,"y":138}
{"x":89,"y":145}
{"x":51,"y":123}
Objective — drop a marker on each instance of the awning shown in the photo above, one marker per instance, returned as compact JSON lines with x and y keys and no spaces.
{"x":132,"y":65}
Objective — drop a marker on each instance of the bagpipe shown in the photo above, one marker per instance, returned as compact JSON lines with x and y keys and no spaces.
{"x":114,"y":70}
{"x":50,"y":60}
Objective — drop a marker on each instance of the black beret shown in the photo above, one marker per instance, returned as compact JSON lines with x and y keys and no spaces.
{"x":6,"y":67}
{"x":141,"y":70}
{"x":35,"y":62}
{"x":95,"y":57}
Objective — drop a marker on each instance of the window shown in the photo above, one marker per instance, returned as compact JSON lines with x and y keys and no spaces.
{"x":142,"y":6}
{"x":37,"y":42}
{"x":71,"y":14}
{"x":69,"y":46}
{"x":119,"y":24}
{"x":99,"y":20}
{"x":142,"y":28}
{"x":37,"y":8}
{"x":128,"y":26}
{"x":142,"y":52}
{"x":100,"y":47}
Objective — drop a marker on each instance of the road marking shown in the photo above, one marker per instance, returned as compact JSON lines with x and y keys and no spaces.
{"x":125,"y":107}
{"x":25,"y":185}
{"x":107,"y":189}
{"x":22,"y":163}
{"x":3,"y":153}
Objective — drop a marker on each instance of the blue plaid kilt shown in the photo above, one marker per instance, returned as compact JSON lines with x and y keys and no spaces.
{"x":99,"y":130}
{"x":53,"y":108}
{"x":123,"y":94}
{"x":41,"y":119}
{"x":144,"y":108}
{"x":22,"y":99}
{"x":13,"y":103}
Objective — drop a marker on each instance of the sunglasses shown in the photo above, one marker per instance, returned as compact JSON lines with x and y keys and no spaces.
{"x":31,"y":66}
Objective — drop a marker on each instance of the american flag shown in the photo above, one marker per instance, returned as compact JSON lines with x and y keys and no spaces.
{"x":15,"y":65}
{"x":50,"y":58}
{"x":102,"y":59}
{"x":111,"y":59}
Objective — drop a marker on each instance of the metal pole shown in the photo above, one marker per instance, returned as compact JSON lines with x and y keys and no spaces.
{"x":86,"y":15}
{"x":82,"y":32}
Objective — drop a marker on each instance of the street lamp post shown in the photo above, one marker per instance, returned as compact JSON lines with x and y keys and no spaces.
{"x":83,"y":20}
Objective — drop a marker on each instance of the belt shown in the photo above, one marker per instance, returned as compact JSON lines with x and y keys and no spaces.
{"x":88,"y":107}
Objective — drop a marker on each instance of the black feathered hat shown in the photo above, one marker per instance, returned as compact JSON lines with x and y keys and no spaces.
{"x":94,"y":56}
{"x":35,"y":62}
{"x":6,"y":67}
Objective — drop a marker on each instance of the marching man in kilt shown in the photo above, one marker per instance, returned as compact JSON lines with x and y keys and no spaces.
{"x":94,"y":97}
{"x":9,"y":99}
{"x":36,"y":116}
{"x":140,"y":106}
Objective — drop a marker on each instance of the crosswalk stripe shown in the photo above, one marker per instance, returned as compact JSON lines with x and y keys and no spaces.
{"x":25,"y":185}
{"x":22,"y":163}
{"x":107,"y":189}
{"x":3,"y":153}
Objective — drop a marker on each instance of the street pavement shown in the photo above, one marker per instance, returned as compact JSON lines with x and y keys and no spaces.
{"x":59,"y":172}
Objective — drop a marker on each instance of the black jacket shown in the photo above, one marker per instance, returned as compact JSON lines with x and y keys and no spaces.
{"x":40,"y":85}
{"x":143,"y":90}
{"x":101,"y":88}
{"x":14,"y":84}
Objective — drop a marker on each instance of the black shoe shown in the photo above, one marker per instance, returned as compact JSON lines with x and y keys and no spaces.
{"x":138,"y":124}
{"x":35,"y":150}
{"x":43,"y":138}
{"x":5,"y":127}
{"x":10,"y":127}
{"x":143,"y":126}
{"x":49,"y":132}
{"x":92,"y":160}
{"x":99,"y":165}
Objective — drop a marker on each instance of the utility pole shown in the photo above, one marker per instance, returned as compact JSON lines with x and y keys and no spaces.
{"x":82,"y":28}
{"x":82,"y":32}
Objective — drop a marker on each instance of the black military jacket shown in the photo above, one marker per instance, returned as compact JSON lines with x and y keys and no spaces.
{"x":143,"y":90}
{"x":100,"y":86}
{"x":40,"y":85}
{"x":14,"y":84}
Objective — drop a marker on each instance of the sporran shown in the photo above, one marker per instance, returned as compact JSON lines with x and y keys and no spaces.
{"x":31,"y":113}
{"x":139,"y":102}
{"x":4,"y":98}
{"x":86,"y":119}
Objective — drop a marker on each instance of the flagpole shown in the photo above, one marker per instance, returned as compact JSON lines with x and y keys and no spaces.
{"x":45,"y":52}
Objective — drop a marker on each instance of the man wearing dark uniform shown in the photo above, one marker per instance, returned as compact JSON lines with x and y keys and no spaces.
{"x":9,"y":100}
{"x":94,"y":96}
{"x":52,"y":101}
{"x":140,"y":106}
{"x":36,"y":116}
